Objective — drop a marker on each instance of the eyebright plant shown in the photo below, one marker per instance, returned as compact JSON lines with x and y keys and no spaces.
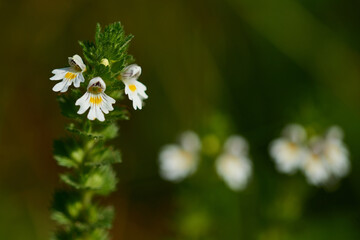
{"x":95,"y":85}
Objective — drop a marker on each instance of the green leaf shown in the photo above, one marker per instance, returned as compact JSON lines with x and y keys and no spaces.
{"x":99,"y":234}
{"x":104,"y":157}
{"x":116,"y":67}
{"x":111,"y":131}
{"x":71,"y":128}
{"x":69,"y":179}
{"x":101,"y":179}
{"x":98,"y":32}
{"x":60,"y":218}
{"x":67,"y":103}
{"x":68,"y":153}
{"x":66,"y":162}
{"x":117,"y":114}
{"x":105,"y":217}
{"x":117,"y":93}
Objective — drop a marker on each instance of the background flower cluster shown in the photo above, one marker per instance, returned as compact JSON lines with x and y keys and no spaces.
{"x":322,"y":158}
{"x":233,"y":166}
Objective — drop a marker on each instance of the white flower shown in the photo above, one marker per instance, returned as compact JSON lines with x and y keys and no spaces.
{"x":336,"y":153}
{"x":69,"y":75}
{"x":179,"y":161}
{"x":233,"y":166}
{"x":328,"y":158}
{"x":190,"y":142}
{"x":133,"y":88}
{"x":315,"y":169}
{"x":236,"y":145}
{"x":234,"y":170}
{"x":96,"y":99}
{"x":315,"y":166}
{"x":288,"y":151}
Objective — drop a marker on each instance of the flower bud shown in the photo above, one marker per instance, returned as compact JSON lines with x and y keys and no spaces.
{"x":105,"y":62}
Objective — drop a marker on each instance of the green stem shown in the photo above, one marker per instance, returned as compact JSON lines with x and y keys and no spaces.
{"x":87,"y":197}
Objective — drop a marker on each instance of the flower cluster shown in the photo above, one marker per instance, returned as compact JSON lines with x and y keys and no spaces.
{"x":178,"y":161}
{"x":320,"y":158}
{"x":95,"y":97}
{"x":103,"y":78}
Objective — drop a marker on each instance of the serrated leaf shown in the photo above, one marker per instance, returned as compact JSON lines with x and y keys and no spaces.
{"x":105,"y":157}
{"x":67,"y":153}
{"x":66,"y":162}
{"x":73,"y":129}
{"x":60,"y":218}
{"x":117,"y":114}
{"x":111,"y":131}
{"x":117,"y":94}
{"x":105,"y":217}
{"x":101,"y":179}
{"x":68,"y":179}
{"x":67,"y":103}
{"x":118,"y":66}
{"x":99,"y":234}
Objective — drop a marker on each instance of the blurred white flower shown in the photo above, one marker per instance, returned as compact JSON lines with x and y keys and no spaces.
{"x":179,"y":161}
{"x":236,"y":145}
{"x":69,"y":75}
{"x":315,"y":166}
{"x":289,"y":151}
{"x":315,"y":169}
{"x":328,"y":158}
{"x":233,"y":166}
{"x":190,"y":142}
{"x":96,"y":99}
{"x":336,"y":153}
{"x":133,"y":88}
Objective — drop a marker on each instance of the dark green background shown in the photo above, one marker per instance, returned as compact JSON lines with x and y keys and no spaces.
{"x":259,"y":63}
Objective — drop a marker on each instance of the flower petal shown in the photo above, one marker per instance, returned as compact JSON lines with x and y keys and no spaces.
{"x":99,"y":114}
{"x":66,"y":87}
{"x":140,"y":86}
{"x":81,"y":77}
{"x":60,"y":70}
{"x":59,"y":86}
{"x":137,"y":102}
{"x":77,"y":81}
{"x":84,"y":103}
{"x":108,"y":98}
{"x":58,"y":76}
{"x":91,"y":115}
{"x":104,"y":108}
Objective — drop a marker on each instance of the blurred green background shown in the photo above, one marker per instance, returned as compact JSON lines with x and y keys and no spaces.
{"x":259,"y":63}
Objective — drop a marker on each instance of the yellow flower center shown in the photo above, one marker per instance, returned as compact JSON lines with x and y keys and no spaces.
{"x":96,"y":100}
{"x":70,"y":75}
{"x":132,"y":87}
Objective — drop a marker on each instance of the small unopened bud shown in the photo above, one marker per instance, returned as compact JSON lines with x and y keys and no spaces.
{"x":105,"y":62}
